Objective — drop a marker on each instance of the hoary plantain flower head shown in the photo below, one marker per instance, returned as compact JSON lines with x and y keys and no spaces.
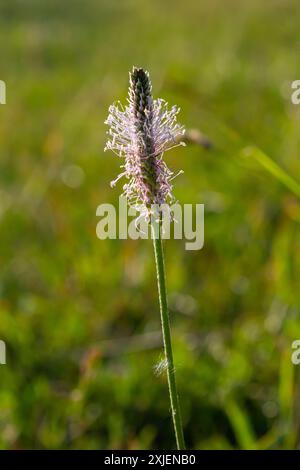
{"x":140,"y":133}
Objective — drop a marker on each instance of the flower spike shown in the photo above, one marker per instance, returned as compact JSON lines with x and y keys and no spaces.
{"x":140,"y":133}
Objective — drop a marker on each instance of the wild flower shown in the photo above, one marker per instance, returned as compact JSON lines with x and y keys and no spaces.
{"x":140,"y":133}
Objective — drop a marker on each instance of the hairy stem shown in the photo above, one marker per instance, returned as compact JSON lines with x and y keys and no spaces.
{"x":165,"y":323}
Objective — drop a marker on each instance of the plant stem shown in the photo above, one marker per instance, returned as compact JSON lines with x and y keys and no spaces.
{"x":165,"y":323}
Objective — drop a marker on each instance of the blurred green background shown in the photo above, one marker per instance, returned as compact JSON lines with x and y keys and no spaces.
{"x":80,"y":316}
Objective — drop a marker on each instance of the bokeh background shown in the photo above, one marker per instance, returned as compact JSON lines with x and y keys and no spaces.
{"x":80,"y":316}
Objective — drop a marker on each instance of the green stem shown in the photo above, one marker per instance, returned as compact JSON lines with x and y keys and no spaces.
{"x":165,"y":323}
